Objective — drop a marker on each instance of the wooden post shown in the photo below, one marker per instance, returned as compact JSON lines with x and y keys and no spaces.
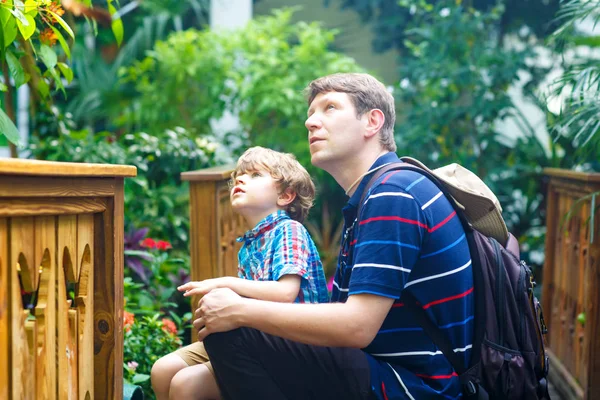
{"x":61,"y":224}
{"x":572,"y":283}
{"x":214,"y":227}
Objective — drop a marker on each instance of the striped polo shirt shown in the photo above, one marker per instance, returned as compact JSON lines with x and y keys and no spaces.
{"x":409,"y":238}
{"x":278,"y":246}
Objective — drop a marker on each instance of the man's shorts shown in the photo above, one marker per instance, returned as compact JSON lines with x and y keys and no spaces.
{"x":194,"y":354}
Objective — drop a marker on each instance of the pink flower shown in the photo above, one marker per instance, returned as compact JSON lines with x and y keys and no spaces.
{"x":132,"y":365}
{"x":330,"y":284}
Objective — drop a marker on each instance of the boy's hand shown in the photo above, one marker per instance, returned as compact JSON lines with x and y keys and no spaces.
{"x":203,"y":287}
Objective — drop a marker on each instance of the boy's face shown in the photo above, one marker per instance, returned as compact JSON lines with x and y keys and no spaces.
{"x":334,"y":131}
{"x":254,"y":195}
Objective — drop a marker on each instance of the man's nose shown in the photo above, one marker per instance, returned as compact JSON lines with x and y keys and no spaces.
{"x":312,"y":123}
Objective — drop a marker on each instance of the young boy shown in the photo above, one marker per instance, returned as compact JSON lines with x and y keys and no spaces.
{"x":278,"y":260}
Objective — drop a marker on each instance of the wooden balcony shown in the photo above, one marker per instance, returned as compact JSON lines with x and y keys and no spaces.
{"x":61,"y":280}
{"x":571,"y":289}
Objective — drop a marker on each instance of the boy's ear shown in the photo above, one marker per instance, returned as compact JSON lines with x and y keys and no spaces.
{"x":286,"y":197}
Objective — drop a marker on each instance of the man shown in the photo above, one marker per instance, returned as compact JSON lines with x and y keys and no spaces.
{"x":365,"y":344}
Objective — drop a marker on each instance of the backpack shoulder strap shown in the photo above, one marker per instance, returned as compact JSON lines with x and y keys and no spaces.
{"x":434,"y":332}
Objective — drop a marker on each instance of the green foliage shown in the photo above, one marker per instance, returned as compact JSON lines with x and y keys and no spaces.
{"x":146,"y":339}
{"x":390,"y":20}
{"x":579,"y":85}
{"x":28,"y":30}
{"x":156,"y":198}
{"x":257,"y":72}
{"x":454,"y":90}
{"x":454,"y":87}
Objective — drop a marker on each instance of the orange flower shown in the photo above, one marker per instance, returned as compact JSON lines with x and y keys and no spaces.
{"x":169,"y":326}
{"x":57,"y":9}
{"x":128,"y":319}
{"x":48,"y":37}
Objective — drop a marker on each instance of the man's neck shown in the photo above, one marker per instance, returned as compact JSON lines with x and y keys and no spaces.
{"x":349,"y":175}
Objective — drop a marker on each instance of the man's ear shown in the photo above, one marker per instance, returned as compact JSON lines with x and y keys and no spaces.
{"x":286,"y":197}
{"x":375,"y":121}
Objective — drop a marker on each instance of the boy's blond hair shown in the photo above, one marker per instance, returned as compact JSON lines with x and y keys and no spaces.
{"x":287,"y":172}
{"x":366,"y":93}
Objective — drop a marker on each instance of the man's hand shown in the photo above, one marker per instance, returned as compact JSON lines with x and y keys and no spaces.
{"x":203,"y":287}
{"x":217,"y":312}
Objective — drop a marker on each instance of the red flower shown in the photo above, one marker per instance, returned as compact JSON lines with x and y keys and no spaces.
{"x":148,"y":243}
{"x":163,"y":245}
{"x":128,"y":319}
{"x":169,"y":326}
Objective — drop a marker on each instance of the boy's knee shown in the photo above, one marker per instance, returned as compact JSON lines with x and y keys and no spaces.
{"x":164,"y":369}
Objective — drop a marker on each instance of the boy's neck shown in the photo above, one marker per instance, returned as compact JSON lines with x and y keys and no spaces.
{"x":254,"y":219}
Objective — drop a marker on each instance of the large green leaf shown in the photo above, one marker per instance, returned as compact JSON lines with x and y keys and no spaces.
{"x":66,"y":71}
{"x":8,"y":128}
{"x":48,"y":56}
{"x":117,"y":23}
{"x":62,"y":23}
{"x":62,"y":41}
{"x":27,"y":29}
{"x":16,"y":69}
{"x":9,"y":27}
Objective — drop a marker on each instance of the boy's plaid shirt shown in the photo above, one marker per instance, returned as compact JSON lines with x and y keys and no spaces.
{"x":279,"y":246}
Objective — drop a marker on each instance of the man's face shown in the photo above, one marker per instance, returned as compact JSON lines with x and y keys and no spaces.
{"x":335,"y":134}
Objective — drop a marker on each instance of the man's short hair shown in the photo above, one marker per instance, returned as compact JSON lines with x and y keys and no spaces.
{"x":287,"y":172}
{"x":366,"y":93}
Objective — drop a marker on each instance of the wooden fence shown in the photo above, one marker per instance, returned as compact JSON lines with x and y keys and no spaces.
{"x":214,"y":227}
{"x":61,"y":280}
{"x":571,"y":289}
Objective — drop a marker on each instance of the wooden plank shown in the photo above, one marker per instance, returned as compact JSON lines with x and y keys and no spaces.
{"x":203,"y":236}
{"x":108,"y":299}
{"x":31,"y":186}
{"x":84,"y":300}
{"x":592,"y":328}
{"x":572,"y":175}
{"x":72,"y":357}
{"x":22,"y":352}
{"x":562,"y":379}
{"x":209,"y":174}
{"x":67,"y":247}
{"x":22,"y":235}
{"x":4,"y":312}
{"x":45,"y":309}
{"x":548,"y":287}
{"x":15,"y":166}
{"x":10,"y":207}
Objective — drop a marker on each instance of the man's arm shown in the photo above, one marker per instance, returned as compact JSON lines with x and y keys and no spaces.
{"x":284,"y":290}
{"x":354,"y":323}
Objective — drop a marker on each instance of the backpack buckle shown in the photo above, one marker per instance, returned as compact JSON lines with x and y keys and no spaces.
{"x":470,"y":388}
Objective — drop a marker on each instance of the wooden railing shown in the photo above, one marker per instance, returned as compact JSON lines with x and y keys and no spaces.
{"x":61,"y":280}
{"x":571,"y":289}
{"x":214,"y":227}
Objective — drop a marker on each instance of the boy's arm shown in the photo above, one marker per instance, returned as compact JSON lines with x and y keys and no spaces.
{"x":284,"y":290}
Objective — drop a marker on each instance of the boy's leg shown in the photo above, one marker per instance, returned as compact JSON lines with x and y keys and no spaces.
{"x":163,"y":372}
{"x":251,"y":364}
{"x":194,"y":383}
{"x":166,"y":367}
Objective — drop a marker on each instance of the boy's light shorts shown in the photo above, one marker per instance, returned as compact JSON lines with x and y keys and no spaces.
{"x":194,"y":354}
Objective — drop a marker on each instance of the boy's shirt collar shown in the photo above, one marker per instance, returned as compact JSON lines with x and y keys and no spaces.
{"x":384,"y":159}
{"x":265,"y":224}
